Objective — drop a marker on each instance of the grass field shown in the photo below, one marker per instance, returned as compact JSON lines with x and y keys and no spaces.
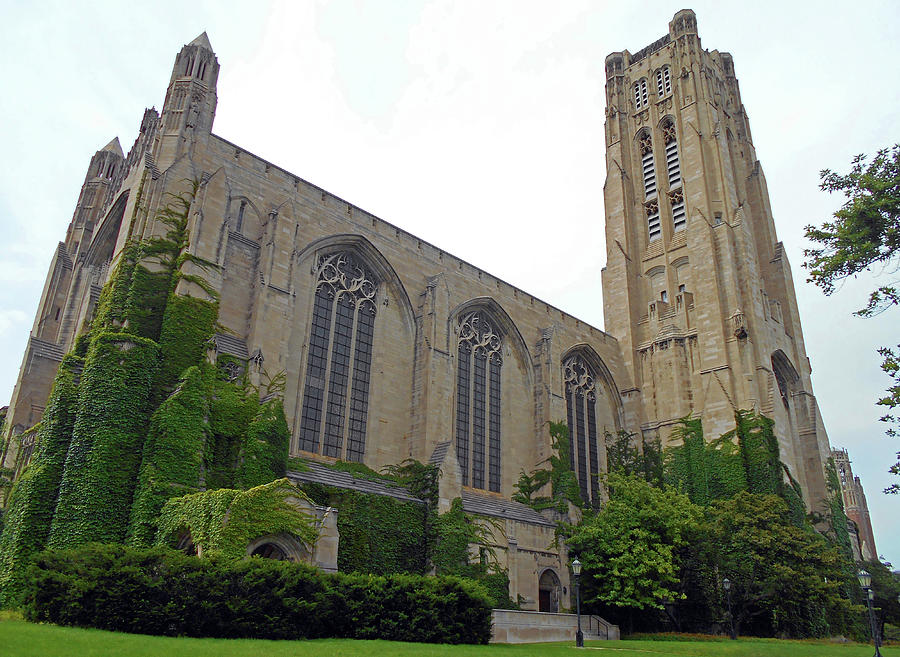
{"x":20,"y":639}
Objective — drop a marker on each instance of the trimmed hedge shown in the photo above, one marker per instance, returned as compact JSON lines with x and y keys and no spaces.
{"x":160,"y":591}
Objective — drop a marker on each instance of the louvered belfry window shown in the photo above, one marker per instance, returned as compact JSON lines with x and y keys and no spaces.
{"x":648,"y":166}
{"x":479,"y":363}
{"x":581,"y":416}
{"x":336,"y":390}
{"x":640,"y":94}
{"x":663,"y":82}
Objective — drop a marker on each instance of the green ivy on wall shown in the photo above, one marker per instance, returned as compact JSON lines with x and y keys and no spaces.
{"x":104,"y":455}
{"x":29,"y":511}
{"x":563,"y":483}
{"x":173,"y":454}
{"x":225,"y":521}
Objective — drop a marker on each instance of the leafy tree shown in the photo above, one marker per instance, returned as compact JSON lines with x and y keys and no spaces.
{"x":865,"y":233}
{"x":630,"y":547}
{"x":786,"y":580}
{"x":625,"y":457}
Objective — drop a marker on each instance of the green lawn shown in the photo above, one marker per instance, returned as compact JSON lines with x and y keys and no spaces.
{"x":19,"y":639}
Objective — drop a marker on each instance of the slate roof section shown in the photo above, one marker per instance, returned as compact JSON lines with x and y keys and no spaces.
{"x":486,"y":505}
{"x":320,"y":474}
{"x":44,"y":349}
{"x":232,"y":345}
{"x":440,"y":451}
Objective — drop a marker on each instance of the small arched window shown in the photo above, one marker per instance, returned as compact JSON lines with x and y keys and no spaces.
{"x":336,"y":393}
{"x":478,"y":366}
{"x":640,"y":94}
{"x":663,"y":82}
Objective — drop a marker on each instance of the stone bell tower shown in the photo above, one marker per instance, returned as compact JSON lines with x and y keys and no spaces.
{"x":697,"y":287}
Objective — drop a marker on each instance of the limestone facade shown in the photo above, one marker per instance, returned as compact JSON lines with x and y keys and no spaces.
{"x":697,"y":286}
{"x":393,"y":348}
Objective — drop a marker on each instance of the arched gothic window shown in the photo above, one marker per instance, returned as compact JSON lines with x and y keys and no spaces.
{"x":478,"y":401}
{"x":340,"y":358}
{"x":581,"y":415}
{"x":640,"y":94}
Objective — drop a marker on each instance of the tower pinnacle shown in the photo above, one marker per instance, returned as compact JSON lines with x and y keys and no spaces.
{"x":202,"y":41}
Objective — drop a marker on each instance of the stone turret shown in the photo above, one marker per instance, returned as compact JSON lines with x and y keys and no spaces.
{"x":190,"y":106}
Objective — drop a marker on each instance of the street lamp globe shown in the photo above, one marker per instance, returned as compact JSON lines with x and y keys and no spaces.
{"x":576,"y":567}
{"x":865,"y":579}
{"x":726,"y":584}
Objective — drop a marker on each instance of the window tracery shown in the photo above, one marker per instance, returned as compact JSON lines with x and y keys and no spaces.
{"x":336,"y":392}
{"x":479,"y":362}
{"x":581,"y":416}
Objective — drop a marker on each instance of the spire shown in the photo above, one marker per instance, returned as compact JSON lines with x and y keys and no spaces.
{"x":202,"y":41}
{"x":114,"y":147}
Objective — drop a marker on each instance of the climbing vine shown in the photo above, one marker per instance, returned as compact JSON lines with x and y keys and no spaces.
{"x":559,"y":475}
{"x":32,"y":500}
{"x":225,"y":521}
{"x":173,"y":454}
{"x":747,"y":458}
{"x":103,"y":459}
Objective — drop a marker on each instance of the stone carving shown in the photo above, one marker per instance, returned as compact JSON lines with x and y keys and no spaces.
{"x":474,"y":329}
{"x":341,"y":273}
{"x":578,"y":377}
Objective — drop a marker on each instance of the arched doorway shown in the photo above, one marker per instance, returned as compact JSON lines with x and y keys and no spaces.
{"x":269,"y":551}
{"x":548,"y":592}
{"x":280,"y":547}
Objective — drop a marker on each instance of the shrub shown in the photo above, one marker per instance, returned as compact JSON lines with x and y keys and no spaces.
{"x":160,"y":591}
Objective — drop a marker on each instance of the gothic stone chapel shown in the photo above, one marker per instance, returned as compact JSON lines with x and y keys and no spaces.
{"x":393,"y":349}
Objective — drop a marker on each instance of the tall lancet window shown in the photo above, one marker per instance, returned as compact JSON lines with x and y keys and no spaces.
{"x":648,"y":168}
{"x":479,"y":362}
{"x":336,"y":392}
{"x":673,"y":168}
{"x":581,"y":414}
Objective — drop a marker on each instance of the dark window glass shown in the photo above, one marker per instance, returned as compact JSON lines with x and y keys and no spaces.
{"x":494,"y":425}
{"x":478,"y":419}
{"x":462,"y":409}
{"x":581,"y":414}
{"x":340,"y":352}
{"x":581,"y":441}
{"x":478,"y":395}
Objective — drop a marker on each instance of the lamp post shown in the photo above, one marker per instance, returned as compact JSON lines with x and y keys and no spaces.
{"x":865,"y":582}
{"x":726,"y":584}
{"x":576,"y":570}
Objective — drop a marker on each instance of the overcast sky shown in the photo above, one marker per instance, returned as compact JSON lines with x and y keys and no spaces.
{"x":476,"y":125}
